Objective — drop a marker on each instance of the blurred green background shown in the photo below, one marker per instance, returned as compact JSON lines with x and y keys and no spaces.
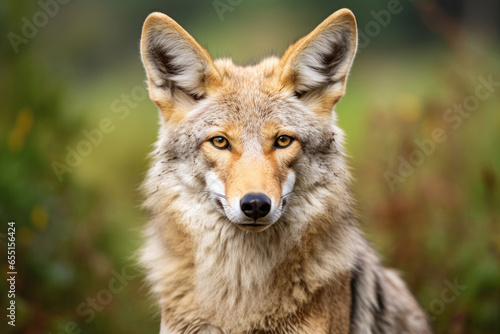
{"x":71,"y":81}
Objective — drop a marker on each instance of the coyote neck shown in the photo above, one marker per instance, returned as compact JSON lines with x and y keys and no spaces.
{"x":206,"y":269}
{"x":246,"y":276}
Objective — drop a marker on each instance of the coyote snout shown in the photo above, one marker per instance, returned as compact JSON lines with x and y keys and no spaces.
{"x":251,"y":183}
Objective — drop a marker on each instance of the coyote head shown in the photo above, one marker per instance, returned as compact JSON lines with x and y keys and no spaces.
{"x":249,"y":138}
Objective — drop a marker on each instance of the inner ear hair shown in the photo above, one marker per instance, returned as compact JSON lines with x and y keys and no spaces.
{"x":175,"y":63}
{"x":172,"y":72}
{"x":317,"y":91}
{"x":323,"y":58}
{"x":335,"y":52}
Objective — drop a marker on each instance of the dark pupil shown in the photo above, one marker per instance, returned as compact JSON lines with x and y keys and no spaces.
{"x":219,"y":140}
{"x":283,"y":140}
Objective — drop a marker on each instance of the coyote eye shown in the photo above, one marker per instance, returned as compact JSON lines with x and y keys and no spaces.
{"x":283,"y":141}
{"x":219,"y":142}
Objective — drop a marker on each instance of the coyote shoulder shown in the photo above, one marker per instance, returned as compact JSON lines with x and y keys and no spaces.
{"x":252,"y":228}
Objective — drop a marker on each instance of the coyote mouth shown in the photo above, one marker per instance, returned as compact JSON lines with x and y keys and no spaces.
{"x":253,"y":227}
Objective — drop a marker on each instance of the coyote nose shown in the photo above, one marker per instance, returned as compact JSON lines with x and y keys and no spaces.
{"x":255,"y":205}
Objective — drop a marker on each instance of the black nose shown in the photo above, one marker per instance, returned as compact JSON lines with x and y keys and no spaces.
{"x":255,"y":205}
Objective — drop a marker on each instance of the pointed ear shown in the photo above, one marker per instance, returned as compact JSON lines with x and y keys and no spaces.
{"x":316,"y":66}
{"x":179,"y":70}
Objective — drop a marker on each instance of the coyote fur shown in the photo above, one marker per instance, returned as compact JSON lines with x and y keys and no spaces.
{"x":252,"y":227}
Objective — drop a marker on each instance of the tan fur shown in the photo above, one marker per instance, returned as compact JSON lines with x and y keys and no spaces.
{"x":243,"y":173}
{"x":308,"y":269}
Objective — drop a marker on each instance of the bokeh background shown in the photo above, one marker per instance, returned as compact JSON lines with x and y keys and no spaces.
{"x":76,"y":128}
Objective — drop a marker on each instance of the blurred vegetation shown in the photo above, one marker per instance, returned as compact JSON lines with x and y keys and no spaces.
{"x":439,"y":226}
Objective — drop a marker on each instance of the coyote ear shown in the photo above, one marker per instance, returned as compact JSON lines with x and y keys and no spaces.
{"x":316,"y":66}
{"x":176,"y":65}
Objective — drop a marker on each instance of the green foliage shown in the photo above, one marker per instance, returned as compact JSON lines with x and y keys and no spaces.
{"x":77,"y":235}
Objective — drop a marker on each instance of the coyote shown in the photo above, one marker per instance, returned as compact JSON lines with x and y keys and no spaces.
{"x":252,"y":227}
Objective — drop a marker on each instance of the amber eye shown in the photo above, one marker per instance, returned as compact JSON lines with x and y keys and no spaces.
{"x":283,"y":141}
{"x":219,"y":142}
